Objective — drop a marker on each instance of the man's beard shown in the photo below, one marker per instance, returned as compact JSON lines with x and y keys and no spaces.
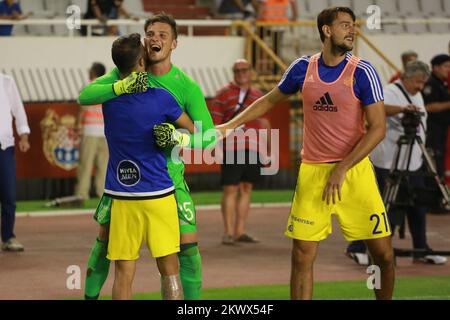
{"x":339,"y":49}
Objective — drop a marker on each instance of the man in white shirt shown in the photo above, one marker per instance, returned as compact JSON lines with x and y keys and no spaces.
{"x":10,"y":106}
{"x":397,"y":104}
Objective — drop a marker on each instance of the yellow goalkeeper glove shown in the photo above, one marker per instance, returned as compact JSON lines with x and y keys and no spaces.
{"x":136,"y":82}
{"x":167,"y":136}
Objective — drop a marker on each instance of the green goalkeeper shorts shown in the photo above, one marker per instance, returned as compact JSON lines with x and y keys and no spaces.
{"x":186,"y":209}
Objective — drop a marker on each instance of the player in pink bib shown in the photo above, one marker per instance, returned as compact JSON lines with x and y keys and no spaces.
{"x":336,"y":177}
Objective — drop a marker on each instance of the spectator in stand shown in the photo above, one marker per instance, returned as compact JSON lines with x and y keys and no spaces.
{"x":275,"y":11}
{"x":236,"y":9}
{"x":407,"y":56}
{"x":10,"y":10}
{"x":104,"y":10}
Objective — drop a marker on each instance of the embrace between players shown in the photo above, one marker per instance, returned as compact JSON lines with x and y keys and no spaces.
{"x":335,"y":177}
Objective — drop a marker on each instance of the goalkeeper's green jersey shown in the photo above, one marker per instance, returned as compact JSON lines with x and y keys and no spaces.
{"x":186,"y":91}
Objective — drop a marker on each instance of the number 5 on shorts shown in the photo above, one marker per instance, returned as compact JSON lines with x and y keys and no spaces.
{"x":187,"y":212}
{"x":377,"y":223}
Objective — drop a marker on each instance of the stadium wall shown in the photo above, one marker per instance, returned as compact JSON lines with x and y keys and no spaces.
{"x":427,"y":46}
{"x":56,"y":68}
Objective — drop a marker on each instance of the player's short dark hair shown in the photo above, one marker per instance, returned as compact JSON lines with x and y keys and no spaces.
{"x":327,"y":17}
{"x":97,"y":69}
{"x":163,"y":17}
{"x":126,"y":52}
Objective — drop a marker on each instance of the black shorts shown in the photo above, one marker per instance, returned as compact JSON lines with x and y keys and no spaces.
{"x":234,"y":173}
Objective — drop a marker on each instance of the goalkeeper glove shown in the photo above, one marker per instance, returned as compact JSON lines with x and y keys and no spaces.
{"x":166,"y":136}
{"x":136,"y":82}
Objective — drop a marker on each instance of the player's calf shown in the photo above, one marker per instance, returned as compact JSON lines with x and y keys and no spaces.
{"x":171,"y":287}
{"x":190,"y":270}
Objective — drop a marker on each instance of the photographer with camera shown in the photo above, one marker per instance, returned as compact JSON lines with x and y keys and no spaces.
{"x":405,"y":111}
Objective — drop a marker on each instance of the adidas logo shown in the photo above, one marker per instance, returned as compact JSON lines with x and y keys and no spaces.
{"x":325,"y":104}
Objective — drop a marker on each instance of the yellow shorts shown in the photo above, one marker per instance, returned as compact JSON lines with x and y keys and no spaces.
{"x":154,"y":221}
{"x":361,"y":213}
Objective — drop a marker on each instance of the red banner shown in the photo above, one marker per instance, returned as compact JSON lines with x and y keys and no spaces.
{"x":55,"y":141}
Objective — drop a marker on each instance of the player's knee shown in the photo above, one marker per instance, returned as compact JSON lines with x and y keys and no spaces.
{"x":171,"y":288}
{"x":168,"y":265}
{"x":384,"y":259}
{"x":246,"y":187}
{"x":124,"y":271}
{"x":189,"y":257}
{"x":303,"y":255}
{"x":230,"y":190}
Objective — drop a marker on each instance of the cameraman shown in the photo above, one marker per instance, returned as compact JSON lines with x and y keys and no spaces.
{"x":397,"y":107}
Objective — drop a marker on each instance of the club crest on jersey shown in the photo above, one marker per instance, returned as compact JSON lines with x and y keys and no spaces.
{"x":325,"y":103}
{"x":128,"y":173}
{"x":60,"y":140}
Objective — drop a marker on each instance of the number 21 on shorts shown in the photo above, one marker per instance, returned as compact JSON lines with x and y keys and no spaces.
{"x":377,"y":218}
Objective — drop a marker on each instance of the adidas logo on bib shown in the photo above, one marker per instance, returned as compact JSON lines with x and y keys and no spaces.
{"x":325,"y":103}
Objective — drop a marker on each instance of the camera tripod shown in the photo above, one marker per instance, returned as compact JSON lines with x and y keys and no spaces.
{"x":399,"y":174}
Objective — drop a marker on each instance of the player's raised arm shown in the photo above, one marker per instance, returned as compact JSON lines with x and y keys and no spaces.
{"x":100,"y":90}
{"x":109,"y":86}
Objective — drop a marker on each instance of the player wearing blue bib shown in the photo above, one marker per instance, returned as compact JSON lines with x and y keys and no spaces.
{"x":143,"y":207}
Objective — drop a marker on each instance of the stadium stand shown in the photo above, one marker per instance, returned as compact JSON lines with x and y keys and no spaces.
{"x":58,"y":9}
{"x":434,"y":8}
{"x":135,"y":8}
{"x":303,"y":10}
{"x":411,"y":9}
{"x":392,"y":12}
{"x":389,"y":9}
{"x":341,"y":3}
{"x":315,"y":6}
{"x":80,"y":3}
{"x":64,"y":81}
{"x":431,"y":7}
{"x":180,"y":9}
{"x":360,"y":7}
{"x":37,"y":7}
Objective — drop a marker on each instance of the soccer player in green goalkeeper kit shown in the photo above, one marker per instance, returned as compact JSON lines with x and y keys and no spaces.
{"x":160,"y":40}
